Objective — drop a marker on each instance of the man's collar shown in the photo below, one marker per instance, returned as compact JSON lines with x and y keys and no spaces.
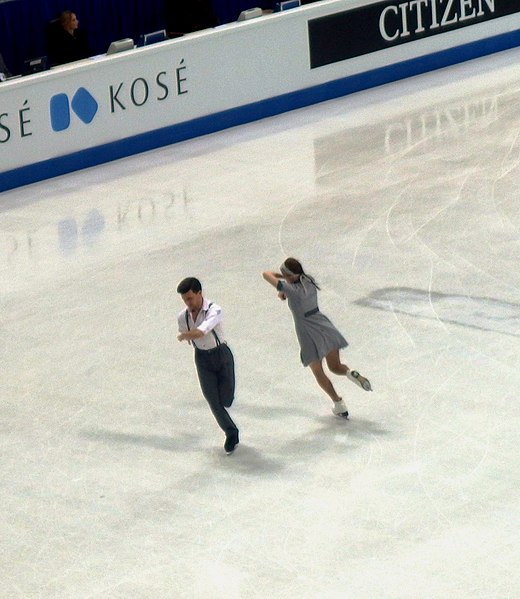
{"x":204,"y":308}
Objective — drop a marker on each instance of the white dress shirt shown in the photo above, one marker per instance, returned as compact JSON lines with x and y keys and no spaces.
{"x":209,"y":321}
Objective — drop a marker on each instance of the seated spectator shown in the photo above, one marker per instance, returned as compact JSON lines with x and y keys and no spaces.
{"x":186,"y":17}
{"x":4,"y":71}
{"x":65,"y":41}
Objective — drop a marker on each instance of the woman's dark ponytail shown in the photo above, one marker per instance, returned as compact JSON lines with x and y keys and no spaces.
{"x":296,"y":267}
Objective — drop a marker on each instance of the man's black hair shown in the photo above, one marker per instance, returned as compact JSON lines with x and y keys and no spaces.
{"x":189,"y":284}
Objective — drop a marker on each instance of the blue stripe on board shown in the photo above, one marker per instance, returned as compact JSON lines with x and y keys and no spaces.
{"x":258,"y":110}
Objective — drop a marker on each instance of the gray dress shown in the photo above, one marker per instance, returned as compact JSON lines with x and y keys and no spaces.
{"x":316,"y":333}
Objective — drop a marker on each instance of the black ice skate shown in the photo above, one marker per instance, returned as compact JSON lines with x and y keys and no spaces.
{"x":231,"y":442}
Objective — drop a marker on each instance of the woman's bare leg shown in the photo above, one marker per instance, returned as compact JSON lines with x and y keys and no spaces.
{"x":323,"y":380}
{"x":334,"y":363}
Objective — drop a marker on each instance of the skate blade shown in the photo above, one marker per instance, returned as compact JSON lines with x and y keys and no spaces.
{"x":343,"y":415}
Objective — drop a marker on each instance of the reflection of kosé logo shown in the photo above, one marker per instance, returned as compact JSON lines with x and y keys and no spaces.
{"x":83,"y":104}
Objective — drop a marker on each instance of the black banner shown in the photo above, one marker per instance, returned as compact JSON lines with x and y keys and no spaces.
{"x":386,"y":24}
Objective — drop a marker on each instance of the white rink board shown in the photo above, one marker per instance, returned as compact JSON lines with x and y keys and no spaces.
{"x":206,"y":75}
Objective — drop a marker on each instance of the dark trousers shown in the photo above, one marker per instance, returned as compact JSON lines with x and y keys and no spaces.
{"x":216,"y":371}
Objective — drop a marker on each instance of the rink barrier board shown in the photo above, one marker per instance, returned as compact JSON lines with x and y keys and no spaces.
{"x":213,"y":123}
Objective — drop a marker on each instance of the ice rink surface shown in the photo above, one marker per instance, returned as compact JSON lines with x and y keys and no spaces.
{"x":404,"y":203}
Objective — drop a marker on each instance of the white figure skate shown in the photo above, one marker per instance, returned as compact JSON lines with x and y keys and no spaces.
{"x":340,"y":409}
{"x":363,"y":382}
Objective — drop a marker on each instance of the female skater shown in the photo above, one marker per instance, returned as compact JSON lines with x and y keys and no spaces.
{"x":317,"y":336}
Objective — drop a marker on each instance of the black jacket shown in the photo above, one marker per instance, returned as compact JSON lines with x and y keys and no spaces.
{"x":62,"y":47}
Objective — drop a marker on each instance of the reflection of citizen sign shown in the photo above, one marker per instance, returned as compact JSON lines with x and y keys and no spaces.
{"x":432,"y":124}
{"x":381,"y":25}
{"x":418,"y":16}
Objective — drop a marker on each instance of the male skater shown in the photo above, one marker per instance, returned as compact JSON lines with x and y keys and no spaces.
{"x":201,"y":325}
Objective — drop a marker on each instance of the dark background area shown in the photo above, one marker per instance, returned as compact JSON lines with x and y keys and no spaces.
{"x":23,"y":22}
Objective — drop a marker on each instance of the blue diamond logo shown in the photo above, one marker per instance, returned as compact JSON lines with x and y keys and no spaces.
{"x":84,"y":105}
